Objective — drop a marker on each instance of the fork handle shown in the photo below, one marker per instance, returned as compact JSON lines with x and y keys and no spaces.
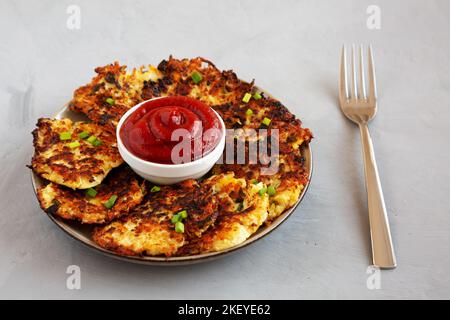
{"x":382,"y":248}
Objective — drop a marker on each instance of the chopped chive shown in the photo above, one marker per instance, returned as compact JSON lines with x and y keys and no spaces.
{"x":254,"y":181}
{"x":74,"y":144}
{"x":262,"y":191}
{"x":83,"y":135}
{"x":183,"y":214}
{"x":110,"y":101}
{"x":155,"y":189}
{"x":110,"y":203}
{"x":94,"y":141}
{"x":175,"y":218}
{"x":91,"y":192}
{"x":91,"y":139}
{"x":65,"y":135}
{"x":266,"y":121}
{"x":247,"y":97}
{"x":257,"y":96}
{"x":249,"y":112}
{"x":97,"y":142}
{"x":179,"y":227}
{"x":271,"y":190}
{"x":196,"y":77}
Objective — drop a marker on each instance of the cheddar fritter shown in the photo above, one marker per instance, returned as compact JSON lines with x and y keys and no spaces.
{"x":111,"y":93}
{"x":224,"y":92}
{"x":149,"y":230}
{"x":89,"y":207}
{"x":242,"y":210}
{"x":61,"y":156}
{"x":223,"y":210}
{"x":291,"y":176}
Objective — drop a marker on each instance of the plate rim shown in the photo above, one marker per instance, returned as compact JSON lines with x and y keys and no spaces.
{"x":177,"y":260}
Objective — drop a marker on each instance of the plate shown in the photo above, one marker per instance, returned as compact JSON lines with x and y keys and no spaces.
{"x":82,"y":232}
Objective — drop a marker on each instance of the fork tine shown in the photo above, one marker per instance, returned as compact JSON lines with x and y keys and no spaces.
{"x":354,"y":93}
{"x":343,"y":86}
{"x":372,"y":78}
{"x":362,"y":84}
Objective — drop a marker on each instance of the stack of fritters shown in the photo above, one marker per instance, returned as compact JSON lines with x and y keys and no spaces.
{"x":222,"y":210}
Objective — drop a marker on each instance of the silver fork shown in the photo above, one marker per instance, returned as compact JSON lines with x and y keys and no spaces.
{"x":361,"y":108}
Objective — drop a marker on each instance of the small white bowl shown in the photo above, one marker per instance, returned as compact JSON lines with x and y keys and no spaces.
{"x":166,"y":174}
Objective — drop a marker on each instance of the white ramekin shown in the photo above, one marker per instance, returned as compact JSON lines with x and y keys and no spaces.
{"x":165,"y":174}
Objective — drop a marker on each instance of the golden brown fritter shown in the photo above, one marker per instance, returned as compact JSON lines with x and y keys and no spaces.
{"x":291,"y":176}
{"x":150,"y":231}
{"x":242,"y":210}
{"x":111,"y":93}
{"x":216,"y":87}
{"x":90,"y":208}
{"x":123,"y":90}
{"x":64,"y":162}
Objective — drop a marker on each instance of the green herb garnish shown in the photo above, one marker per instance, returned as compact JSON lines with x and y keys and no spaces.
{"x":183,"y":214}
{"x":262,"y":191}
{"x":271,"y":190}
{"x":257,"y":96}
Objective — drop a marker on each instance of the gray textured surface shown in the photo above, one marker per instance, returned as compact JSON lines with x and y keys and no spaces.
{"x":291,"y":49}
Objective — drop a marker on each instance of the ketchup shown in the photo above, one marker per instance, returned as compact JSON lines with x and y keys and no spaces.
{"x":147,"y":132}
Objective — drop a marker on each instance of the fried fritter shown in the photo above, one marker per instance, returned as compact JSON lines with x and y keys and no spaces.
{"x":111,"y":93}
{"x":242,"y":210}
{"x":67,"y":163}
{"x":90,"y":208}
{"x":149,"y":229}
{"x":291,"y":176}
{"x":223,"y":91}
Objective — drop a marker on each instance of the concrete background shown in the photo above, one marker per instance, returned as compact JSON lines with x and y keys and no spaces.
{"x":292,"y":49}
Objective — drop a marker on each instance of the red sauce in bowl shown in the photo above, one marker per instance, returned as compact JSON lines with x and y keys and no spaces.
{"x":148,"y":131}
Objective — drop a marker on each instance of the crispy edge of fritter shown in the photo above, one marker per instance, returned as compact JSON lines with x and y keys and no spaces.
{"x":76,"y":205}
{"x":78,"y":168}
